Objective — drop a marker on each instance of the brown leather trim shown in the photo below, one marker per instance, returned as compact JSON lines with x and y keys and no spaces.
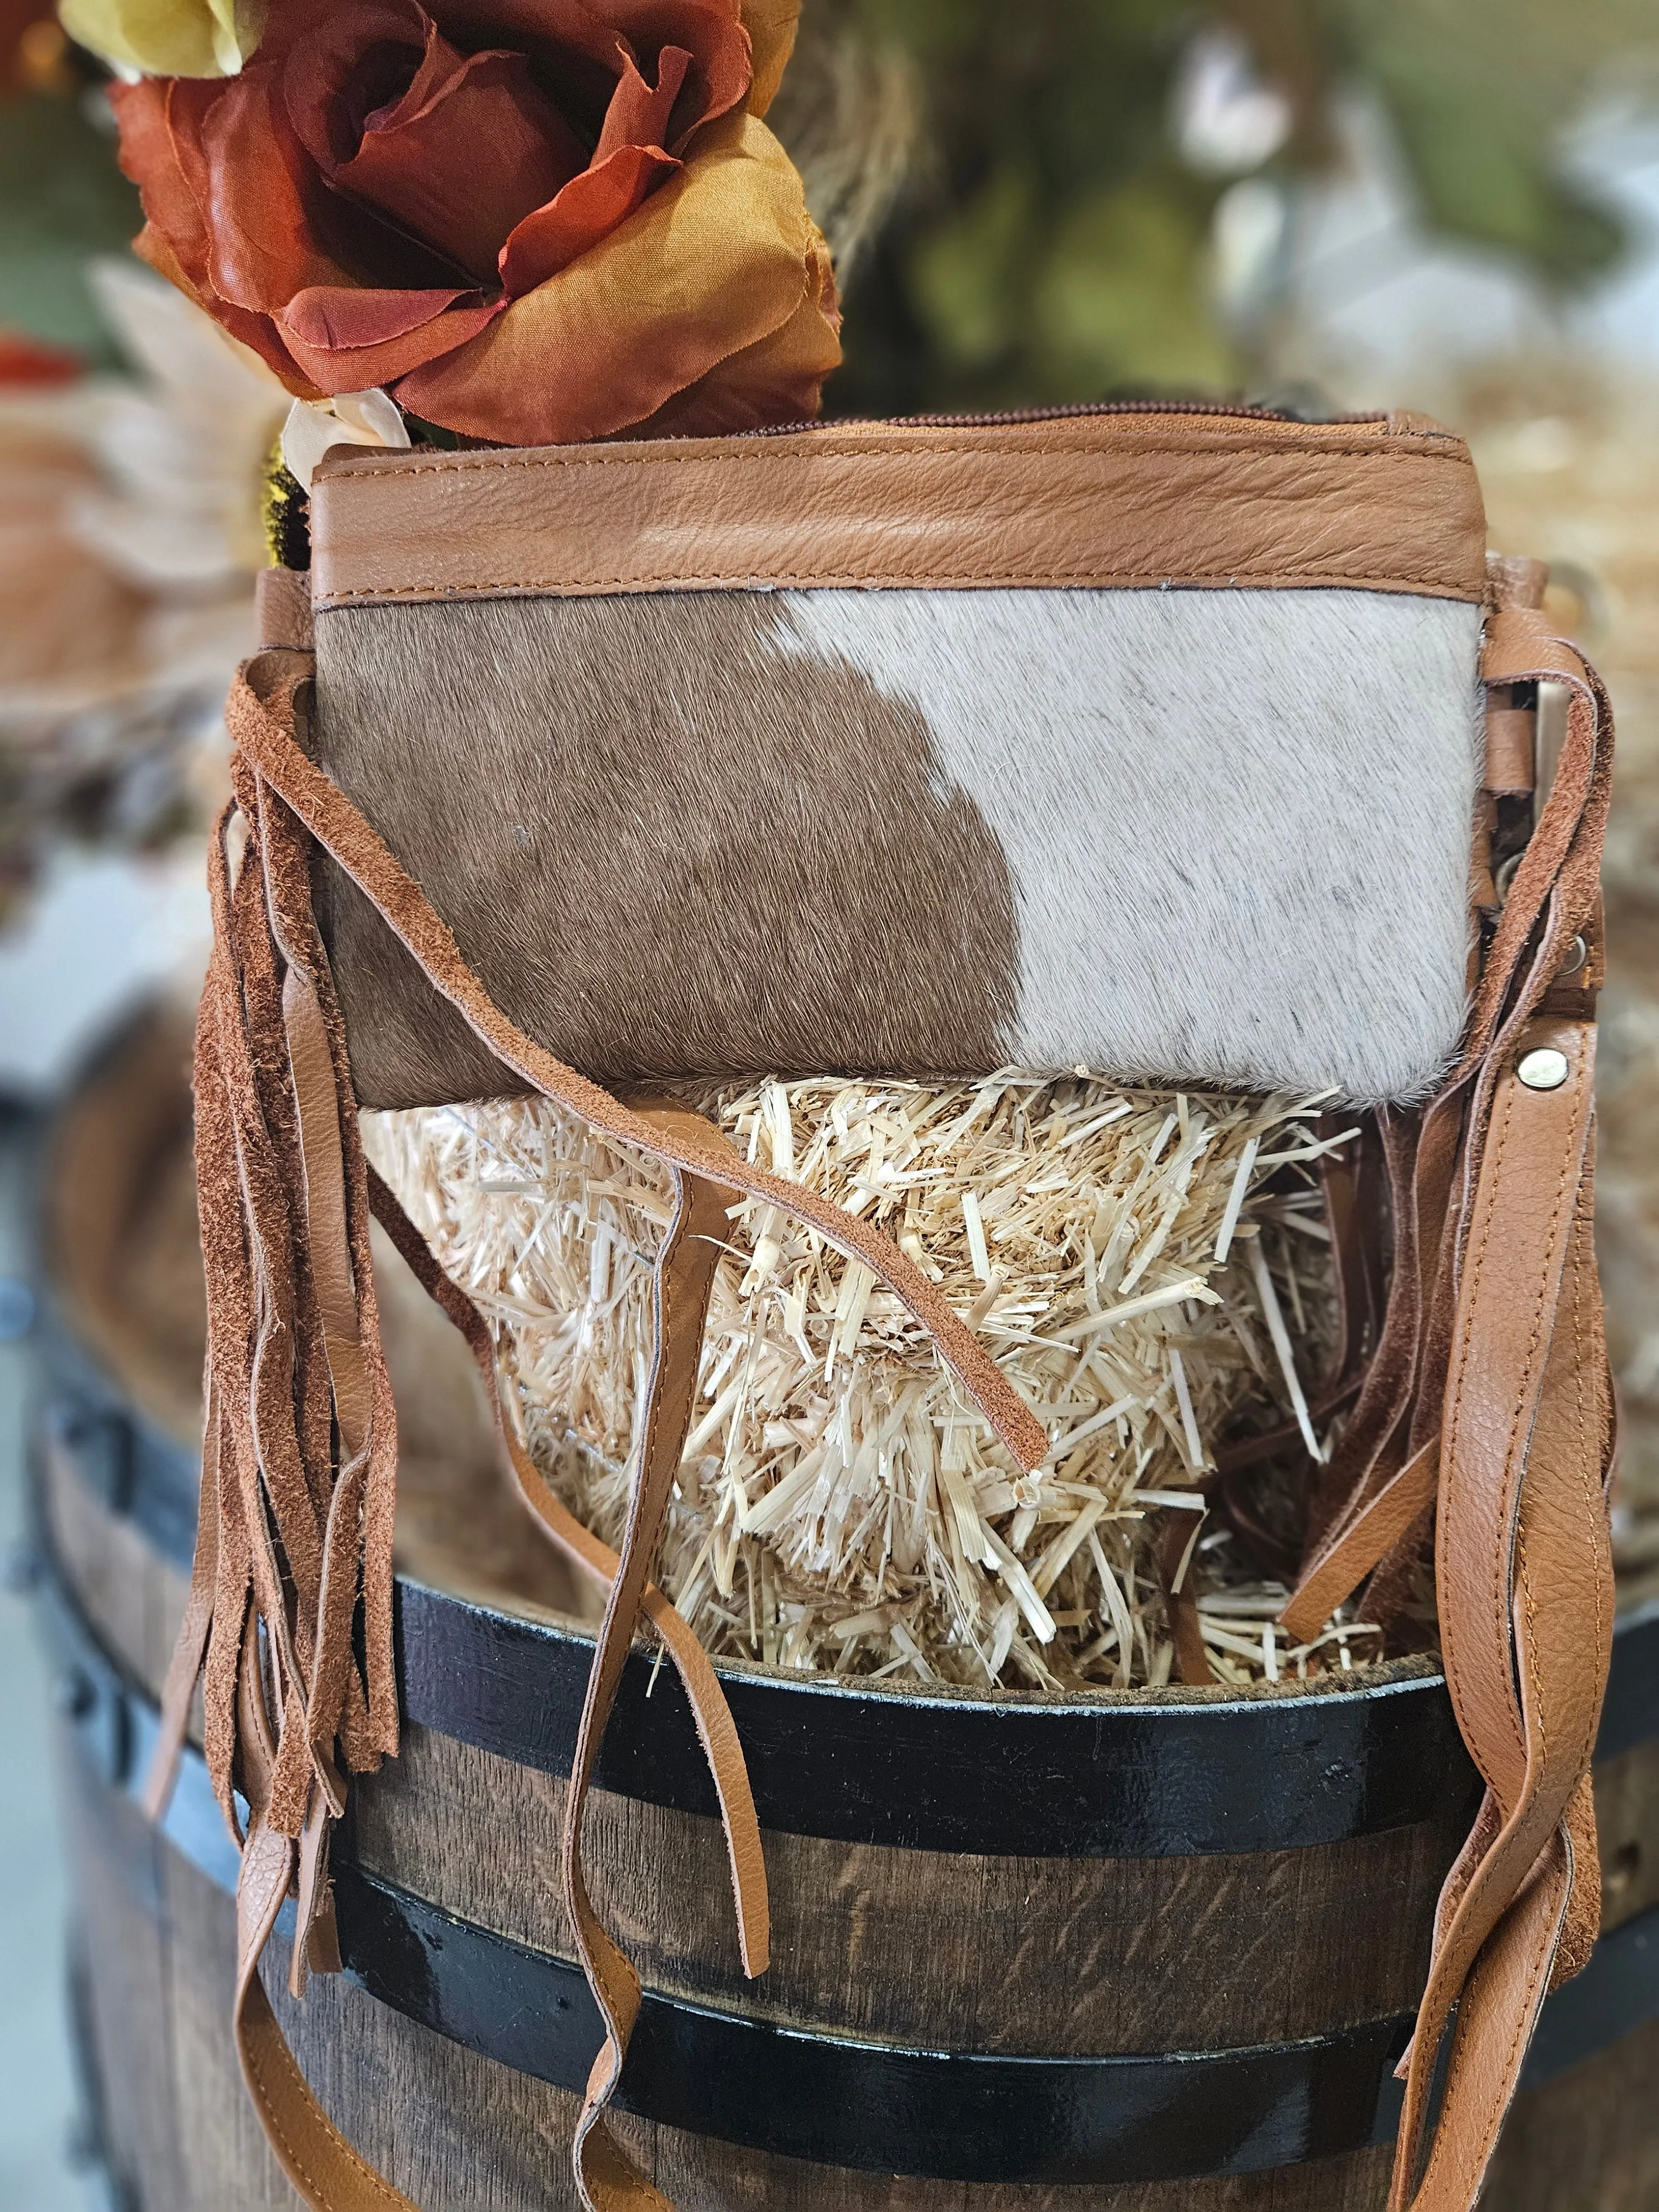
{"x":281,"y":603}
{"x":1512,"y":736}
{"x":1109,"y":500}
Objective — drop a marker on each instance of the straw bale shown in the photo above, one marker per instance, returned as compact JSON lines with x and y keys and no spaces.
{"x":1151,"y":1270}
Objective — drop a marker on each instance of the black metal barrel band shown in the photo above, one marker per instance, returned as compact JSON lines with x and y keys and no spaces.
{"x":949,"y":2115}
{"x":1116,"y":1776}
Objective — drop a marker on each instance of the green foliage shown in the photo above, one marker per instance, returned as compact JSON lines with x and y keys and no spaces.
{"x":62,"y":199}
{"x":1055,"y":248}
{"x":1478,"y":91}
{"x":1103,"y":308}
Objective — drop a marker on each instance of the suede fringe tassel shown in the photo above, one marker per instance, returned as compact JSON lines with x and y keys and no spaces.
{"x":293,"y":1552}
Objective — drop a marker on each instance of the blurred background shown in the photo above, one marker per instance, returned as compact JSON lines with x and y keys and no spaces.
{"x":1447,"y":204}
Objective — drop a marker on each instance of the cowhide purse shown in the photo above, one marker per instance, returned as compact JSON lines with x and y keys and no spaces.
{"x":1178,"y":746}
{"x":1146,"y":742}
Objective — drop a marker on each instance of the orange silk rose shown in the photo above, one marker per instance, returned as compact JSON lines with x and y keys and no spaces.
{"x":534,"y":222}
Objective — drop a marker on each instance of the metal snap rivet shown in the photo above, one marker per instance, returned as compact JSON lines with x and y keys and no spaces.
{"x":1578,"y":954}
{"x":1544,"y":1070}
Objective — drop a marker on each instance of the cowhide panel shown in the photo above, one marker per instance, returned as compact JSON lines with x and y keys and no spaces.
{"x":1182,"y":837}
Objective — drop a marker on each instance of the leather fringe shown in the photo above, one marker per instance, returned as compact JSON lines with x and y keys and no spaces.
{"x":289,"y":1623}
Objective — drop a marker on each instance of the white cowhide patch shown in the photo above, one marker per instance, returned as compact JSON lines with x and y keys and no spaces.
{"x":1236,"y":822}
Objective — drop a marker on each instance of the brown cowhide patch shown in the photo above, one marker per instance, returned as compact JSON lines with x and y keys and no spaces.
{"x":667,"y":849}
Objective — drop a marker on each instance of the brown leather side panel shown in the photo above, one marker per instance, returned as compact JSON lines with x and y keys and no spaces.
{"x":1110,"y":499}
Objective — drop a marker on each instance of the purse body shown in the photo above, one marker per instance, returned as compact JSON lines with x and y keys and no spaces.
{"x":1143,"y":743}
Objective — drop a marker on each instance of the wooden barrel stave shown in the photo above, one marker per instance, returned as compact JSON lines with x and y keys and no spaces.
{"x":1587,"y":2140}
{"x":500,"y":2134}
{"x":127,"y":1992}
{"x":460,"y":2133}
{"x":449,"y":1819}
{"x":1035,"y":1955}
{"x":1627,"y":1830}
{"x":456,"y":2131}
{"x":493,"y":2138}
{"x":963,"y":1952}
{"x":133,"y":1593}
{"x":1198,"y":1950}
{"x":158,"y":1940}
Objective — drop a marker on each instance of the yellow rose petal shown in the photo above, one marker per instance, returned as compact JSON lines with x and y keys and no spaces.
{"x":238,"y":28}
{"x":771,"y":25}
{"x":774,"y":380}
{"x":716,"y":261}
{"x":168,"y":38}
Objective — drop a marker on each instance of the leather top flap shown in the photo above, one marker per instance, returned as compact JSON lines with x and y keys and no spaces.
{"x":1130,"y":499}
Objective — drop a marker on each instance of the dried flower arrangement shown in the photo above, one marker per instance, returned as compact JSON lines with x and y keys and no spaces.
{"x":527,"y":223}
{"x":129,"y":538}
{"x":1151,"y":1270}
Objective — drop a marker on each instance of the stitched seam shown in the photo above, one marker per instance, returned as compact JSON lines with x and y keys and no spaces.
{"x":1477,"y":1265}
{"x":828,"y":578}
{"x":1533,"y":1353}
{"x":1489,"y":2126}
{"x":378,"y":2181}
{"x":1533,"y":1346}
{"x":1529,"y":1594}
{"x":873,"y":455}
{"x":1588,"y":1482}
{"x":1540,"y":1965}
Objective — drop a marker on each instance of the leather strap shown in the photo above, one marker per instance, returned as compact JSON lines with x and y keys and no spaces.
{"x":1520,"y":1235}
{"x":324,"y":2169}
{"x":1488,"y":1410}
{"x":1555,"y":895}
{"x":317,"y":2159}
{"x":1524,"y":1557}
{"x":1510,"y":766}
{"x":684,"y":1276}
{"x":710,"y":1711}
{"x":1343,"y":1561}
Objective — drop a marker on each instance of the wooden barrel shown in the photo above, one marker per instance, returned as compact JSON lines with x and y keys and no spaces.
{"x":1154,"y":1953}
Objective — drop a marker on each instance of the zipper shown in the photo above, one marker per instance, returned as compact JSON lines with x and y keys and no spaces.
{"x":1234,"y":410}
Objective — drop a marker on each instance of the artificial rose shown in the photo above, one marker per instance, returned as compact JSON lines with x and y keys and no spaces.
{"x":168,"y":38}
{"x":532,"y":221}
